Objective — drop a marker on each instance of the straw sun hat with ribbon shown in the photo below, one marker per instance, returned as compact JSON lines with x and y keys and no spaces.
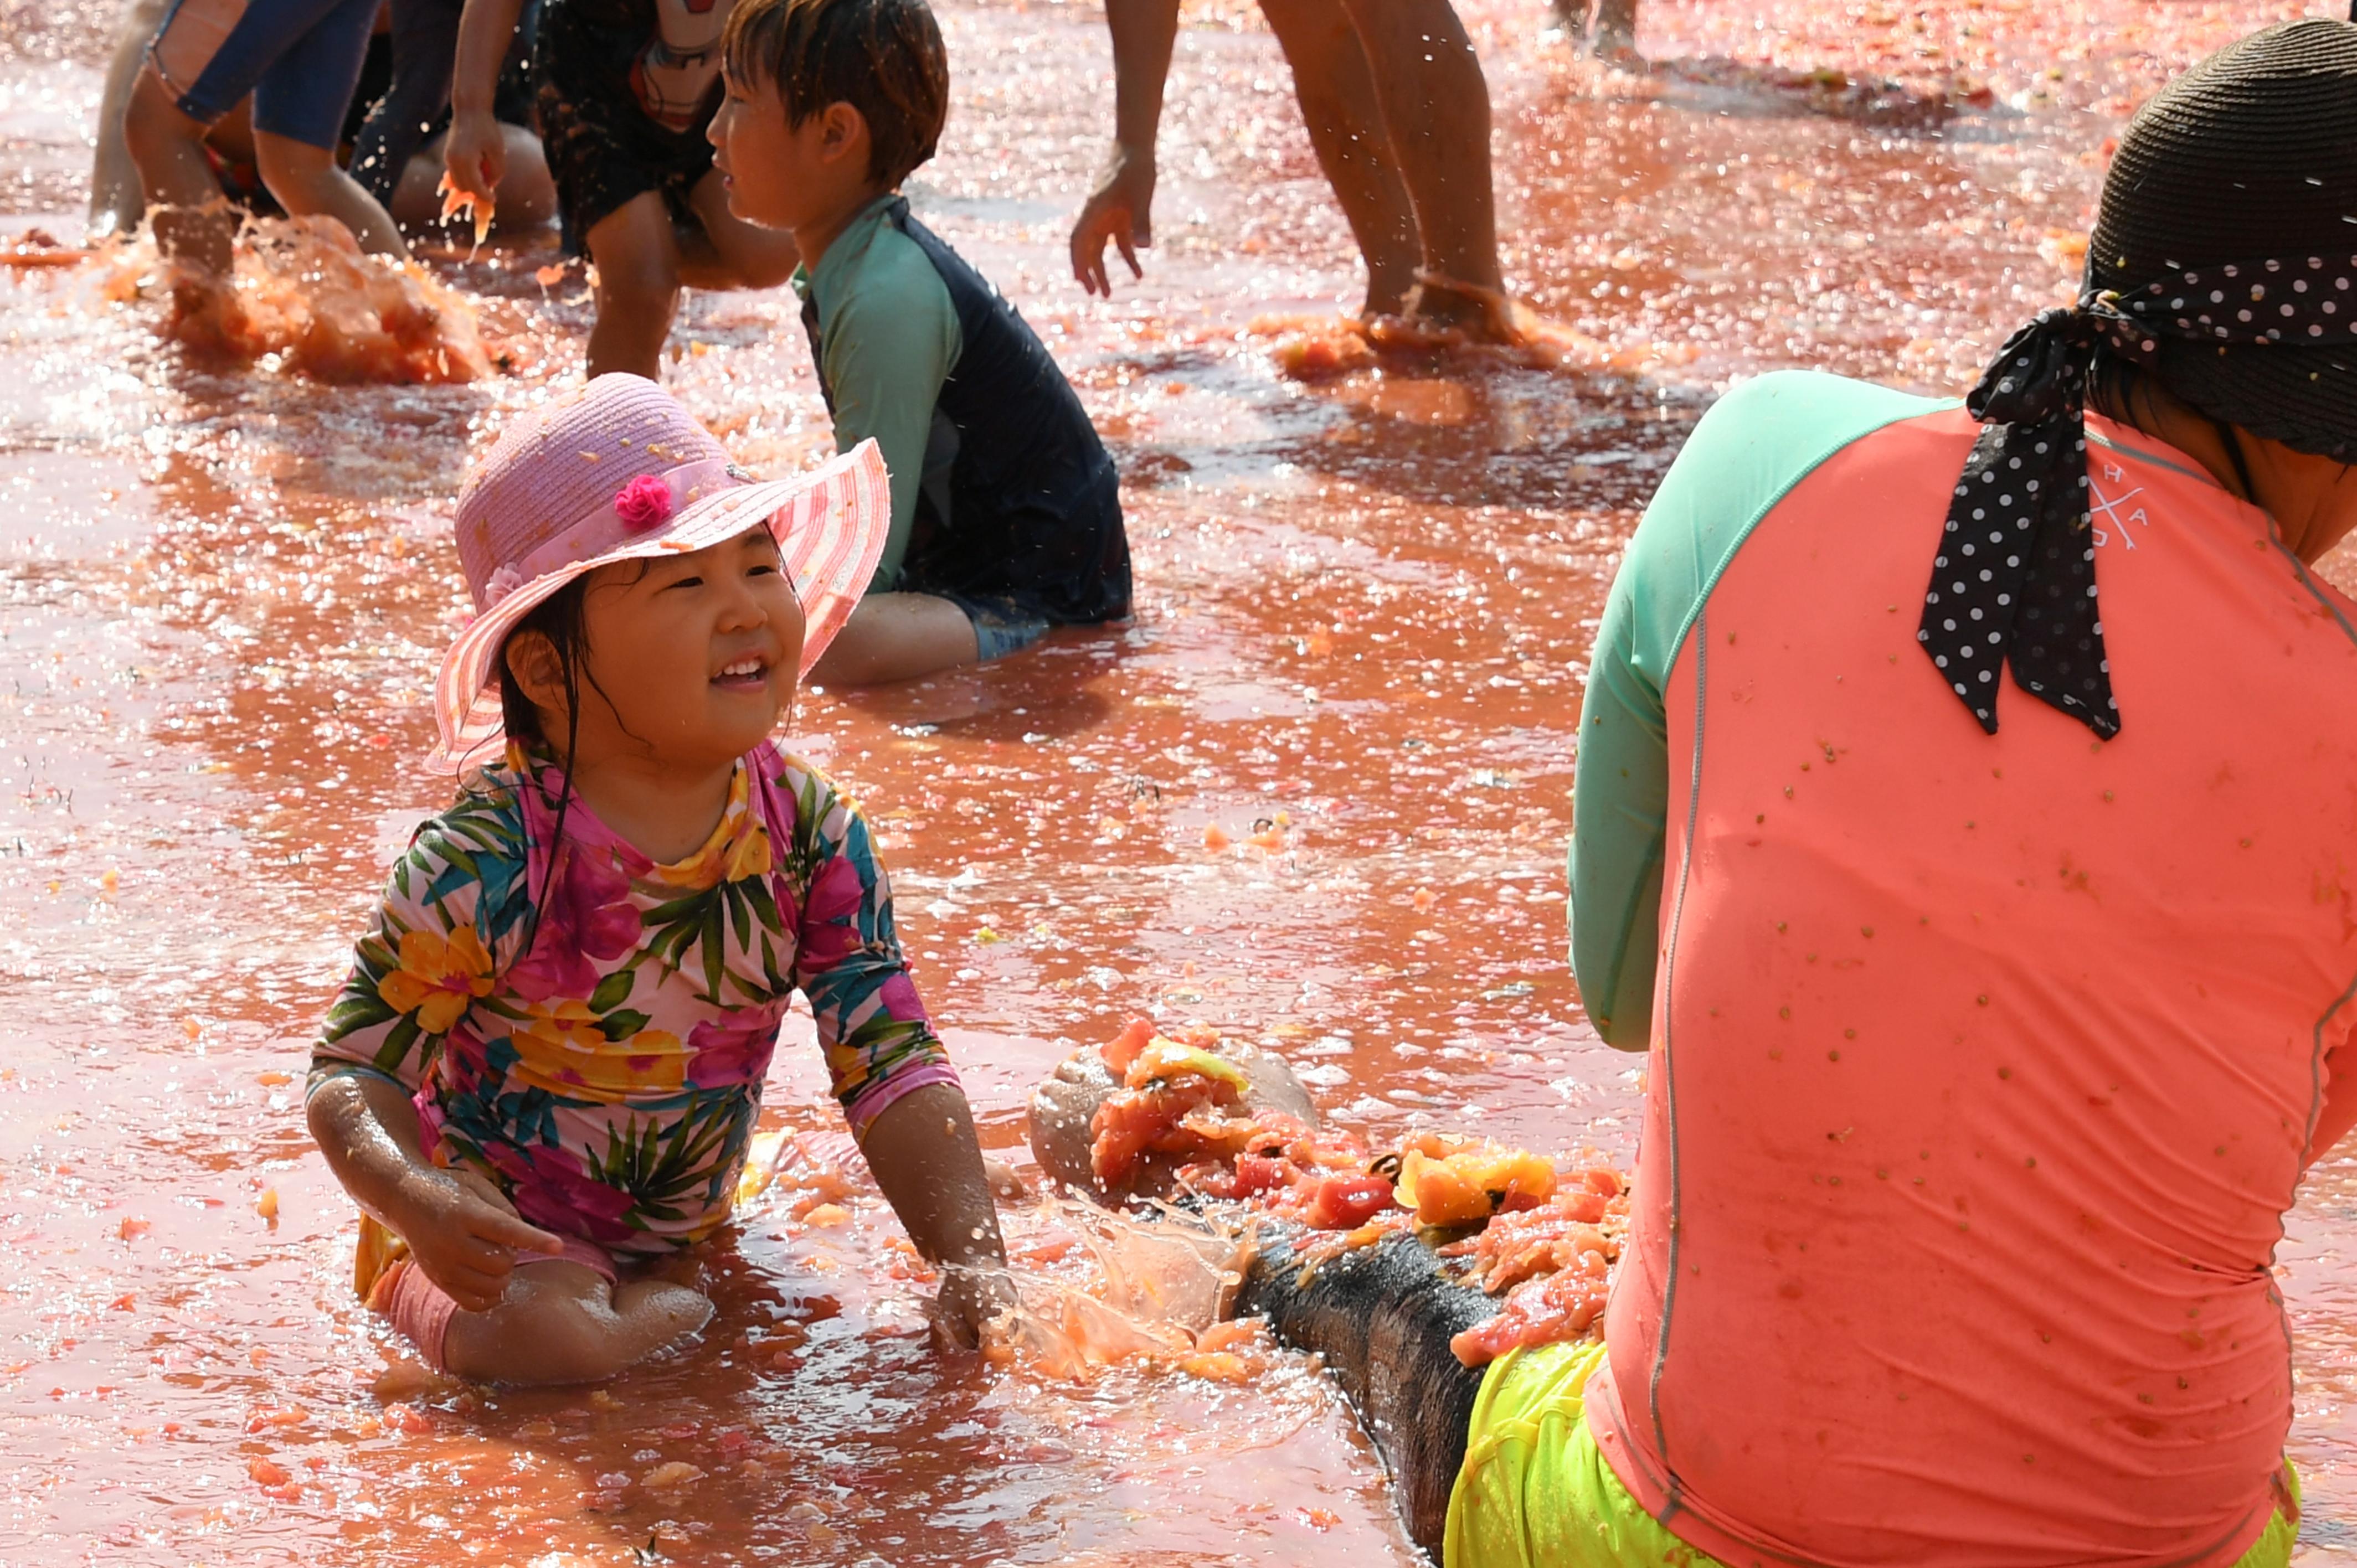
{"x":620,"y":471}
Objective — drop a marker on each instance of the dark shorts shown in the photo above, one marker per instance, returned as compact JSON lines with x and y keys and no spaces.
{"x":603,"y":150}
{"x":300,"y":59}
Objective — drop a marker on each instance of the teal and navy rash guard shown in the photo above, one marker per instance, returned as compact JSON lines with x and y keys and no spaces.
{"x":1001,"y":491}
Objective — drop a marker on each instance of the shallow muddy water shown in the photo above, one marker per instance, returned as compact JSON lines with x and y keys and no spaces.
{"x":1364,"y":611}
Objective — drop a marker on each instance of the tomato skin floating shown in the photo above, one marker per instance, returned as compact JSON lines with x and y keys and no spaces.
{"x":1347,"y":1202}
{"x":1167,"y":1060}
{"x":1122,"y":1050}
{"x":1551,"y":1310}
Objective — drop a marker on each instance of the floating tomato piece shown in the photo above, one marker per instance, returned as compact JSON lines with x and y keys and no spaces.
{"x":1256,"y":1174}
{"x":1122,"y":1048}
{"x":1164,"y":1058}
{"x":1468,"y":1185}
{"x":1347,"y":1202}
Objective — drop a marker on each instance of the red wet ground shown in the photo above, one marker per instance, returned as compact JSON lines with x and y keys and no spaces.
{"x":1365,"y":606}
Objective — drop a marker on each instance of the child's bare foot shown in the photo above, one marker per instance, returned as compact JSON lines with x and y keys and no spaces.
{"x":563,"y":1323}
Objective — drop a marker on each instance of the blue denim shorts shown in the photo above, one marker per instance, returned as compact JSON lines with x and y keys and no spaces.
{"x":300,"y":59}
{"x":1001,"y":627}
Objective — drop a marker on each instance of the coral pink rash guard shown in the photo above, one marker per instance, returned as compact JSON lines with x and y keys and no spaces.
{"x":1982,"y":1068}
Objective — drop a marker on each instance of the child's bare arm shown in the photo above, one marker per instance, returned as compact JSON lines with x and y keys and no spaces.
{"x":475,"y":155}
{"x":922,"y":1149}
{"x":1145,"y":34}
{"x":463,"y":1232}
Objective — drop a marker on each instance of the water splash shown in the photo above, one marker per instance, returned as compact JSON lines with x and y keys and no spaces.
{"x":301,"y":297}
{"x":1158,"y":1284}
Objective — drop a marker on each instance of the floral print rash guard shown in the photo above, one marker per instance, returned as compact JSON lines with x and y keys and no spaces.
{"x":608,"y":1078}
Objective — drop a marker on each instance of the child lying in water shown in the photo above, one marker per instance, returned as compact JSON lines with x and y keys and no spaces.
{"x":543,"y":1072}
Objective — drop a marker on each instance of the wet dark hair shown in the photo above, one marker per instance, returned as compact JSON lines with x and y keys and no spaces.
{"x":884,"y":57}
{"x":563,"y":619}
{"x":2120,"y":390}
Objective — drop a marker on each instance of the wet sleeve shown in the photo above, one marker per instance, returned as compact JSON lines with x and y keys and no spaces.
{"x":872,"y":1025}
{"x":1619,"y":801}
{"x":1747,"y":452}
{"x":890,"y":342}
{"x":452,"y":901}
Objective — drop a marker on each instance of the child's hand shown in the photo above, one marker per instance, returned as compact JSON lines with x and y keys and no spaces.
{"x":465,"y":1234}
{"x":475,"y":154}
{"x":1119,"y":210}
{"x":971,"y":1295}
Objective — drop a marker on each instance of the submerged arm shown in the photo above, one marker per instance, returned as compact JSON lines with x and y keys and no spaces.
{"x":891,"y":1073}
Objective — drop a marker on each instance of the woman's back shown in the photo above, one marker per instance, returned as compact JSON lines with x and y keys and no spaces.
{"x":1985,"y":1067}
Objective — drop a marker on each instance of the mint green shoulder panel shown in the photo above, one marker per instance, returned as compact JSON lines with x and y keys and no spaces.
{"x":1745,"y":456}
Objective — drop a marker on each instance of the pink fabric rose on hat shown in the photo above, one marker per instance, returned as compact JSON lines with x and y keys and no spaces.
{"x":505,"y":581}
{"x":643,"y":503}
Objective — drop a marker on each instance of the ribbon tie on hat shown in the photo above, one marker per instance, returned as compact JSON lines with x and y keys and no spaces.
{"x":643,"y":504}
{"x":2015,"y":579}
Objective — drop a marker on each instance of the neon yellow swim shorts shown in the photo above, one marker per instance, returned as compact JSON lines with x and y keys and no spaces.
{"x":1534,"y":1492}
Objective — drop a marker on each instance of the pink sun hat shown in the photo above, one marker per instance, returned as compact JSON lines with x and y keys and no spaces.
{"x":618,"y":471}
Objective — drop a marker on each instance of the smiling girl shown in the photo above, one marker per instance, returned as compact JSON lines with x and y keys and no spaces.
{"x":539,"y":1080}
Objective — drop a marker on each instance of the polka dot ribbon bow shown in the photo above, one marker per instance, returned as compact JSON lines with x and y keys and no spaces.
{"x":2015,"y":579}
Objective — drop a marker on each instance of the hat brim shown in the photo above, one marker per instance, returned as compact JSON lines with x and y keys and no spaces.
{"x":830,"y":524}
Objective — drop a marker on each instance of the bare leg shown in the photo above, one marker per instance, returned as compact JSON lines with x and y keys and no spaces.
{"x":562,"y":1323}
{"x":737,"y":254}
{"x":192,"y":223}
{"x":1345,"y":120}
{"x":1437,"y":110}
{"x":896,"y":637}
{"x":1615,"y":30}
{"x":116,"y":201}
{"x":638,"y":286}
{"x":308,"y":182}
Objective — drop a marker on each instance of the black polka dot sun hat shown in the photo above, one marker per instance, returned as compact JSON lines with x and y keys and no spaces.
{"x":2223,"y":264}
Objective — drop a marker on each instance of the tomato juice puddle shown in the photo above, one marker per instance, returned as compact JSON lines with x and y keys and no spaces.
{"x":1316,"y":794}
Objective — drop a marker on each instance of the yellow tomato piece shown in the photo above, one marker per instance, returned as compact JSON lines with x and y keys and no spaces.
{"x":1469,"y":1185}
{"x":1166,"y":1058}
